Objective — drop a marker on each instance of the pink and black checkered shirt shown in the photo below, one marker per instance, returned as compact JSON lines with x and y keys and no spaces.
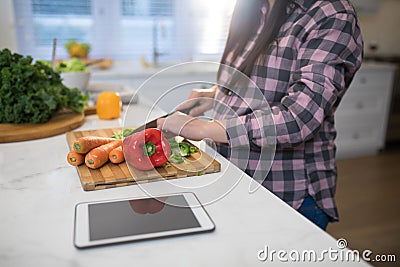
{"x":303,"y":78}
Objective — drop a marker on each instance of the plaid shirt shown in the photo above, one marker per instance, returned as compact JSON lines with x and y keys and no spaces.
{"x":302,"y":79}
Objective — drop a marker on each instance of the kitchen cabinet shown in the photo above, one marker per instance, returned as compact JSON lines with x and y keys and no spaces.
{"x":393,"y":129}
{"x":366,"y":6}
{"x":362,"y":116}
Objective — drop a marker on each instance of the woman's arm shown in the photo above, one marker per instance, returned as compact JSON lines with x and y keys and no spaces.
{"x":190,"y":127}
{"x":193,"y":128}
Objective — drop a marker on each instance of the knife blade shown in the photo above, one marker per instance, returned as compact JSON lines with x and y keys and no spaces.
{"x":153,"y":123}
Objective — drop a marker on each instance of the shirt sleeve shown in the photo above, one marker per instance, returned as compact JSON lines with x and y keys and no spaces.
{"x":325,"y":65}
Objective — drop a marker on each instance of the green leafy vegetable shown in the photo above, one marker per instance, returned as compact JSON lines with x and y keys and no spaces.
{"x":184,"y":149}
{"x":71,"y":65}
{"x":180,"y":150}
{"x":68,"y":65}
{"x":176,"y":157}
{"x":33,"y":92}
{"x":193,"y":149}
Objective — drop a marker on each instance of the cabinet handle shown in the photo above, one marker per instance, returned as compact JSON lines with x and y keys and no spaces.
{"x":363,"y":80}
{"x":359,"y":105}
{"x":356,"y":136}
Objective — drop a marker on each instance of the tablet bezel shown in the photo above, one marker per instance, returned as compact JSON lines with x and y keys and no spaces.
{"x":81,"y":227}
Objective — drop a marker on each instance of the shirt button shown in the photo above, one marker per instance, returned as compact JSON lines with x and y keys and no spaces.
{"x":275,"y":111}
{"x":292,"y":5}
{"x":229,"y":93}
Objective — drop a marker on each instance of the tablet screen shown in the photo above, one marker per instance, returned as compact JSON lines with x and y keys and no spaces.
{"x":139,"y":216}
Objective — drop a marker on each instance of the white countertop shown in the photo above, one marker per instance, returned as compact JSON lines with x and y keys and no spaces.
{"x":134,"y":69}
{"x":39,"y":190}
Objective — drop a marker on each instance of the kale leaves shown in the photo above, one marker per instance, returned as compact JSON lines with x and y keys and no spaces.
{"x":33,"y":92}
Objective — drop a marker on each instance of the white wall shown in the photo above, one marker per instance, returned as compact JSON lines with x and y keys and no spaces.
{"x":8,"y":38}
{"x":383,"y":27}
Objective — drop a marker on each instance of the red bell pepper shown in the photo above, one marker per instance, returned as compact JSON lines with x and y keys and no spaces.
{"x":147,"y":149}
{"x":148,"y":205}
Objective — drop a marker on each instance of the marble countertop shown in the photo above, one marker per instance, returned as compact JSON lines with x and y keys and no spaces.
{"x":39,"y":191}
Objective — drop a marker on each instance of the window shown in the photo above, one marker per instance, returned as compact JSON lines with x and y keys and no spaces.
{"x":125,"y":29}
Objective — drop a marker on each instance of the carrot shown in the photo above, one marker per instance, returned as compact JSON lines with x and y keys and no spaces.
{"x":86,"y":143}
{"x":116,"y":155}
{"x":75,"y":159}
{"x":98,"y":156}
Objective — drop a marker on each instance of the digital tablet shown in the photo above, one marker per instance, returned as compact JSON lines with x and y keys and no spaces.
{"x":125,"y":220}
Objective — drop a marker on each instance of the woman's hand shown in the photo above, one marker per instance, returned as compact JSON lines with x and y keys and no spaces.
{"x":183,"y":125}
{"x":192,"y":128}
{"x":203,"y":98}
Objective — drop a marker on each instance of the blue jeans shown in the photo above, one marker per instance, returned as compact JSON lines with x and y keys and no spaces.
{"x":311,"y":211}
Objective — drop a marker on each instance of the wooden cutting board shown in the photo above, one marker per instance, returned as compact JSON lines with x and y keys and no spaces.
{"x":58,"y":124}
{"x":115,"y":175}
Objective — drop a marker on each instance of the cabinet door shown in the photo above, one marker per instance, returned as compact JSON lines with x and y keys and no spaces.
{"x":361,"y":118}
{"x":359,"y":135}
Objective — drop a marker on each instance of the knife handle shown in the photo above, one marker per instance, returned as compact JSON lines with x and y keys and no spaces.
{"x":187,"y":110}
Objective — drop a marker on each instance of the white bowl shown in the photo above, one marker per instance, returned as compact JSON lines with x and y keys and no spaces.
{"x":79,"y":80}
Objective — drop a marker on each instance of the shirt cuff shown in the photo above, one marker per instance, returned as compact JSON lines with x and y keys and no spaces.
{"x":237,"y":133}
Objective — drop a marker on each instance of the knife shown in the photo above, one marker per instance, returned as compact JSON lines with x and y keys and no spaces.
{"x":153,"y":123}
